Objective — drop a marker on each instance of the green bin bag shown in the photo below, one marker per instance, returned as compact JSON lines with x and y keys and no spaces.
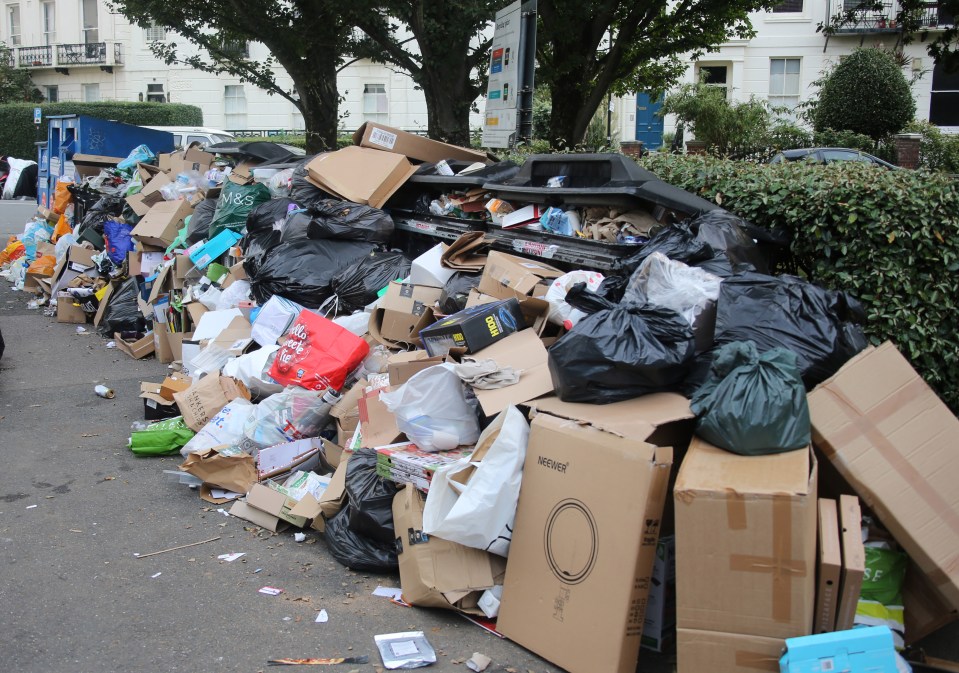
{"x":161,"y":439}
{"x":235,"y":203}
{"x":753,"y":404}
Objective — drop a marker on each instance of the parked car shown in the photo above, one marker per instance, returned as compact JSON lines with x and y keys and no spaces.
{"x":828,"y":155}
{"x":184,"y":136}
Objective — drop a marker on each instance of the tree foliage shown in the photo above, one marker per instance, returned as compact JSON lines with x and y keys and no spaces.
{"x":16,"y":86}
{"x":307,"y":38}
{"x":587,"y":48}
{"x":864,"y":93}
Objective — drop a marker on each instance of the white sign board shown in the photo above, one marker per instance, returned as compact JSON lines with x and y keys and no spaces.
{"x":502,"y":94}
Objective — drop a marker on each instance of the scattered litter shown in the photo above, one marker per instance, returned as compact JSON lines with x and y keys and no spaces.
{"x":182,"y":546}
{"x":258,"y":570}
{"x":388,"y":592}
{"x":81,"y":330}
{"x":478,"y":662}
{"x":223,"y":511}
{"x":299,"y":537}
{"x":270,"y":591}
{"x":219,"y":493}
{"x":31,"y":506}
{"x":322,"y":618}
{"x":153,"y":577}
{"x":319,"y":662}
{"x":230,"y":558}
{"x":111,"y":344}
{"x":104,"y":392}
{"x":405,"y":650}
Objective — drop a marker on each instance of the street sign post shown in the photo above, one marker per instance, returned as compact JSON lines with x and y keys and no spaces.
{"x":509,"y":94}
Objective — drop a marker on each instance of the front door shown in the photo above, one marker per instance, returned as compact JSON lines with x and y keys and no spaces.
{"x":649,"y":125}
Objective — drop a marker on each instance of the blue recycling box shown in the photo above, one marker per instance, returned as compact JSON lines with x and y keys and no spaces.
{"x":212,"y":249}
{"x":864,"y":650}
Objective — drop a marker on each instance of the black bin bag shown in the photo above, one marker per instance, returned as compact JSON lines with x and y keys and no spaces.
{"x":789,"y":312}
{"x":355,"y":551}
{"x":332,"y":218}
{"x":303,"y":271}
{"x":122,"y":313}
{"x":199,"y":226}
{"x":457,"y":291}
{"x":620,"y":353}
{"x":264,"y":228}
{"x":753,"y":404}
{"x":302,"y":190}
{"x":370,"y":497}
{"x":359,"y":284}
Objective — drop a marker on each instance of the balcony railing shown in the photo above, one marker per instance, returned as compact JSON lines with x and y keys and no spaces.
{"x":855,"y":16}
{"x":103,"y":54}
{"x":28,"y":57}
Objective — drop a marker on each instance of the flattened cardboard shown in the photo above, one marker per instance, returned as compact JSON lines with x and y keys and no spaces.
{"x":436,"y":573}
{"x":829,"y":567}
{"x":389,"y":139}
{"x":592,"y":574}
{"x":248,"y":512}
{"x":893,"y":440}
{"x":746,"y":542}
{"x":378,"y":423}
{"x":161,"y":224}
{"x":274,"y":503}
{"x":359,"y":174}
{"x":507,"y":276}
{"x":707,"y":651}
{"x":853,"y":560}
{"x":524,"y":352}
{"x":401,"y":372}
{"x":201,"y":401}
{"x":89,"y":165}
{"x":467,"y":253}
{"x":234,"y":473}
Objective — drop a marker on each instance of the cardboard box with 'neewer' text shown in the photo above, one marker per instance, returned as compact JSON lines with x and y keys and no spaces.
{"x":587,"y":525}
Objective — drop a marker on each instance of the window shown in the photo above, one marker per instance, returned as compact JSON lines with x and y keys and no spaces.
{"x":91,"y":24}
{"x":53,"y":94}
{"x":715,"y":75}
{"x":788,"y":7}
{"x":13,"y":24}
{"x":202,"y":140}
{"x":155,"y":33}
{"x":784,"y":82}
{"x":155,"y":93}
{"x":234,"y":106}
{"x":91,"y":93}
{"x":944,"y":101}
{"x":376,"y":106}
{"x":49,"y":22}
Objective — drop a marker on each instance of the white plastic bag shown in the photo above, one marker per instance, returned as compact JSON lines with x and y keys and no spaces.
{"x":473,"y":501}
{"x":226,"y":427}
{"x":274,"y":319}
{"x":210,"y":297}
{"x":358,"y":323}
{"x":233,"y":295}
{"x":559,"y":310}
{"x":432,"y":410}
{"x":295,"y":413}
{"x":251,"y":366}
{"x":687,"y":290}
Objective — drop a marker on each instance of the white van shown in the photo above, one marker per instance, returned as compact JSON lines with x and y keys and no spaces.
{"x":184,"y":136}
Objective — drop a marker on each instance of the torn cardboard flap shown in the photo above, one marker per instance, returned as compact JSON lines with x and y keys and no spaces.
{"x":525,"y":353}
{"x":359,"y":174}
{"x":893,"y":440}
{"x":234,"y":473}
{"x":377,"y":422}
{"x":467,"y":253}
{"x":637,"y":418}
{"x":389,"y":139}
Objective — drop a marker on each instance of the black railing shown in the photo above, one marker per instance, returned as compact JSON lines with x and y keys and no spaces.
{"x":236,"y":48}
{"x":81,"y":54}
{"x":117,"y":54}
{"x":870,"y":20}
{"x":35,"y":56}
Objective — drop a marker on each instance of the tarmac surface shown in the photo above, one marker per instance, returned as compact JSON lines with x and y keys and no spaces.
{"x":76,"y":506}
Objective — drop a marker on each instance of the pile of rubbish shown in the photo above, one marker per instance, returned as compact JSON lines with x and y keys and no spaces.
{"x":685,"y":449}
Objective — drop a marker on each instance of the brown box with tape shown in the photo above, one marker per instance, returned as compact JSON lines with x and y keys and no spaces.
{"x":745,"y":545}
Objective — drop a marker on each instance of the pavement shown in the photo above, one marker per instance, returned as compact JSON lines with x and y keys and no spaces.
{"x":76,"y":506}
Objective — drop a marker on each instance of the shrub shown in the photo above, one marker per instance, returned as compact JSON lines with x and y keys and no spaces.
{"x":728,"y":128}
{"x":865,"y":93}
{"x":889,"y":237}
{"x":17,"y":132}
{"x":937,"y":151}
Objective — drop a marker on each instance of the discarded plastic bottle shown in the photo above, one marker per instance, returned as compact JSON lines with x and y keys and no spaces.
{"x":104,"y":392}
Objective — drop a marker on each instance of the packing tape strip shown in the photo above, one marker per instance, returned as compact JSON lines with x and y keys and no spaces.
{"x":862,"y":425}
{"x":780,"y":565}
{"x":735,"y":511}
{"x":757,"y":660}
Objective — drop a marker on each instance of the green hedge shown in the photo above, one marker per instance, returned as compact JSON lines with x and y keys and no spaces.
{"x":889,"y":237}
{"x":17,"y":132}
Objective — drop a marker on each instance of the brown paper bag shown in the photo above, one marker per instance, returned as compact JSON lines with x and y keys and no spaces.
{"x":234,"y":473}
{"x":201,"y":401}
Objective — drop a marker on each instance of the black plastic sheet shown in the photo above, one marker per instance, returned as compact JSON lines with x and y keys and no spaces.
{"x":457,"y":291}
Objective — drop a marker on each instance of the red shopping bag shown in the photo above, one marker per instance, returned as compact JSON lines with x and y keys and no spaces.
{"x":318,"y":354}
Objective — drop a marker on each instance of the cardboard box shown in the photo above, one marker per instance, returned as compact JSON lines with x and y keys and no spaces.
{"x":586,"y":529}
{"x":155,"y":407}
{"x":161,"y":224}
{"x":706,"y":651}
{"x":201,"y":401}
{"x":151,"y":193}
{"x":382,"y":137}
{"x":659,"y":624}
{"x":473,"y":329}
{"x":359,"y":174}
{"x":69,"y":312}
{"x":924,"y":608}
{"x":829,"y":567}
{"x":405,"y":463}
{"x":138,"y":349}
{"x":893,"y":441}
{"x":853,"y":561}
{"x":274,"y":503}
{"x":174,"y":384}
{"x":746,"y":542}
{"x":246,"y":511}
{"x":90,"y":165}
{"x":507,"y":276}
{"x":76,"y":262}
{"x":524,"y":352}
{"x":436,"y":573}
{"x":402,"y":312}
{"x":378,"y":423}
{"x":428,"y":269}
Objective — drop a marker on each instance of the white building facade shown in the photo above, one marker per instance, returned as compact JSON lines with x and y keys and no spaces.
{"x":787,"y":55}
{"x":78,"y":50}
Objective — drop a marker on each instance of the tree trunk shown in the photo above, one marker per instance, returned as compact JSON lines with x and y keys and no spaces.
{"x":319,"y":103}
{"x":449,"y":95}
{"x":570,"y":115}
